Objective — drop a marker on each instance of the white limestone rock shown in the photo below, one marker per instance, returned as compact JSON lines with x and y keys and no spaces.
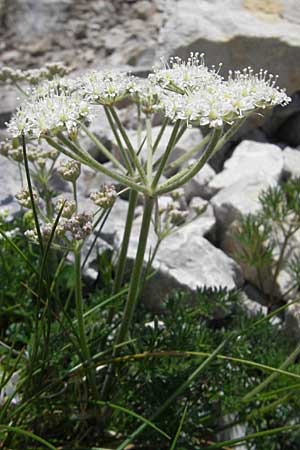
{"x":249,"y":159}
{"x":239,"y":199}
{"x":10,"y":185}
{"x":187,"y":260}
{"x":291,"y":161}
{"x":292,"y":321}
{"x":198,"y":186}
{"x":238,"y":33}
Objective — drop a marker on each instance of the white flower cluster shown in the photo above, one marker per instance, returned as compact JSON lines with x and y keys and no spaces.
{"x":57,"y":86}
{"x":186,"y":90}
{"x":185,"y":76}
{"x":215,"y":101}
{"x":147,"y":94}
{"x":105,"y":87}
{"x":49,"y":115}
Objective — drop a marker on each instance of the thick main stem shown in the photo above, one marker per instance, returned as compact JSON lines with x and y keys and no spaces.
{"x":125,"y":242}
{"x":136,"y":276}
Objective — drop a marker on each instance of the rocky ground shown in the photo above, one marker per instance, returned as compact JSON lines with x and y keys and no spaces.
{"x":102,"y":33}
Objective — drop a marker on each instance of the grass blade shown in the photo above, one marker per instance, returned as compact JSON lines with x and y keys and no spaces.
{"x":28,"y":434}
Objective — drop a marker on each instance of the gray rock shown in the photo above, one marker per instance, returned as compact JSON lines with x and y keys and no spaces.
{"x":289,"y":131}
{"x":187,"y":260}
{"x":10,"y":185}
{"x":248,"y":32}
{"x":112,"y":232}
{"x":199,"y":185}
{"x":291,"y":162}
{"x":8,"y":103}
{"x":292,"y":321}
{"x":251,"y":307}
{"x":249,"y":159}
{"x":239,"y":199}
{"x":34,"y":20}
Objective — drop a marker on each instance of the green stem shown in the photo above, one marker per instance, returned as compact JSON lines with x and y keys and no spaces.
{"x":139,"y":126}
{"x":166,"y":154}
{"x":84,"y":158}
{"x":119,"y":142}
{"x":289,"y":360}
{"x":34,"y":210}
{"x":134,"y":158}
{"x":149,"y":151}
{"x":251,"y":436}
{"x":74,"y":185}
{"x":125,"y":242}
{"x":102,"y":148}
{"x":160,"y":134}
{"x":80,"y":321}
{"x":186,"y":174}
{"x":134,"y":286}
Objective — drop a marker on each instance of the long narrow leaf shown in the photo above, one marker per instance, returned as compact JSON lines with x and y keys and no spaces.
{"x":134,"y":414}
{"x":28,"y":434}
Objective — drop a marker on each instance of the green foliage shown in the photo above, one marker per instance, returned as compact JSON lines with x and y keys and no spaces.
{"x":192,"y":326}
{"x":265,"y":239}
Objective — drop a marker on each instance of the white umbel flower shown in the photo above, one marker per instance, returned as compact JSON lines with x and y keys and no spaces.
{"x":226,"y":101}
{"x":105,"y":87}
{"x":49,"y":115}
{"x":185,"y":76}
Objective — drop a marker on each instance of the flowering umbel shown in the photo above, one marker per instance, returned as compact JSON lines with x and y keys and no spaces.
{"x":186,"y":90}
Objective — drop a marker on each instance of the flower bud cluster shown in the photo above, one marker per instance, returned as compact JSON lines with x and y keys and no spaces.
{"x":69,"y":170}
{"x":33,"y":76}
{"x":176,"y":216}
{"x":69,"y":207}
{"x":34,"y":153}
{"x":173,"y":214}
{"x":23,"y":198}
{"x":77,"y":227}
{"x":80,"y":226}
{"x":105,"y":197}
